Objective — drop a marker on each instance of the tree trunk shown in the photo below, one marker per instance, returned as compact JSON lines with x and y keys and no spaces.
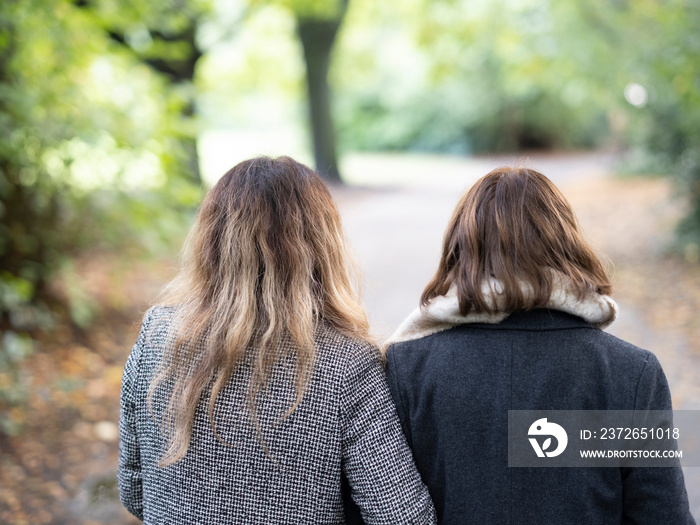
{"x":317,"y":38}
{"x":189,"y":143}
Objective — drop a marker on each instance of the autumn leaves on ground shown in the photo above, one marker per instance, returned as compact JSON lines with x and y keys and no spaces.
{"x":61,"y":468}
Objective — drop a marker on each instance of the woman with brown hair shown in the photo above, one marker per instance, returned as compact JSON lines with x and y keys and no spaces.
{"x":512,"y":320}
{"x":254,"y":389}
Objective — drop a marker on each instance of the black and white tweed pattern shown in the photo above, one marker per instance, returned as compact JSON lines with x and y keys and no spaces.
{"x":346,"y":422}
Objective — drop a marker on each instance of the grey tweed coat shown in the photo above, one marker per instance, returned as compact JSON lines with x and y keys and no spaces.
{"x":346,"y":425}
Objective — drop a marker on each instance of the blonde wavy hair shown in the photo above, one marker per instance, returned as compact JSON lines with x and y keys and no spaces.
{"x":265,"y":259}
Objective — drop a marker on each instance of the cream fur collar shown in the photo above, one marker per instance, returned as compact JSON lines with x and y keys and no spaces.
{"x":442,"y":312}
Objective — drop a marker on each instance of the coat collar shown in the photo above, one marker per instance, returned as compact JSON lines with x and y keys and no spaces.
{"x":442,"y":312}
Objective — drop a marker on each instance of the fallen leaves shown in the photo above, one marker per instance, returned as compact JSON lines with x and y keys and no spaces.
{"x":62,"y":467}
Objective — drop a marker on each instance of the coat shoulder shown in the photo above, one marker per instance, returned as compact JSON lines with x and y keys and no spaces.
{"x":349,"y":351}
{"x":582,"y":338}
{"x":622,"y":349}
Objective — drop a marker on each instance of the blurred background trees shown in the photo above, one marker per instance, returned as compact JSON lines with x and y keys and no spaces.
{"x":660,"y":56}
{"x":114,"y":113}
{"x":163,"y":36}
{"x":90,"y":159}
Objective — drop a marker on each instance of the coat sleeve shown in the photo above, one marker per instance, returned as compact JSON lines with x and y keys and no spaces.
{"x":377,"y":462}
{"x":129,"y":472}
{"x":657,"y":494}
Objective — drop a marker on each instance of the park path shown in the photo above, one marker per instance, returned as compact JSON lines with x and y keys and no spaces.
{"x":397,"y":208}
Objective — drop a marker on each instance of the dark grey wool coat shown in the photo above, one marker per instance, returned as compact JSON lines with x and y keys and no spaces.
{"x":346,"y":425}
{"x":453,"y":390}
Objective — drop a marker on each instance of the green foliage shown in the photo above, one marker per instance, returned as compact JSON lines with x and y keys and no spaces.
{"x":89,"y":154}
{"x":466,"y":77}
{"x":666,"y":128}
{"x":83,"y":139}
{"x":647,"y":54}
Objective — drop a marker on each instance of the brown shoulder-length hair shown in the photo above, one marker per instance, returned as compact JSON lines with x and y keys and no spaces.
{"x":266,"y":259}
{"x":514,"y":226}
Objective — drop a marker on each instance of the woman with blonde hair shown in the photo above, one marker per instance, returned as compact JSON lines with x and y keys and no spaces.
{"x":512,"y":321}
{"x":253,"y":391}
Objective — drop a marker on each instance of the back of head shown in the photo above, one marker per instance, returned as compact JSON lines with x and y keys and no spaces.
{"x":514,"y":226}
{"x":265,"y":259}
